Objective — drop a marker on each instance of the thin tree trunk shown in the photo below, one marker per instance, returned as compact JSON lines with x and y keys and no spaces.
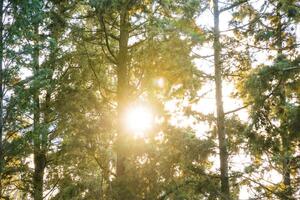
{"x":219,"y":104}
{"x":285,"y":141}
{"x":1,"y":96}
{"x":39,"y":154}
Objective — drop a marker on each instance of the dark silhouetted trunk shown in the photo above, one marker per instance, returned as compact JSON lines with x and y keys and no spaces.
{"x":122,"y":95}
{"x":39,"y":153}
{"x":122,"y":87}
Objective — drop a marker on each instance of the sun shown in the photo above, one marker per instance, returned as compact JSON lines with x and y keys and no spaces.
{"x":139,"y":120}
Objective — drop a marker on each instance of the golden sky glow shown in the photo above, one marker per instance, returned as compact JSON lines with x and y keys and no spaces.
{"x":139,"y":119}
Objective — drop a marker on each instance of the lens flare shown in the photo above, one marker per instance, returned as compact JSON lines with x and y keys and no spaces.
{"x":139,"y":119}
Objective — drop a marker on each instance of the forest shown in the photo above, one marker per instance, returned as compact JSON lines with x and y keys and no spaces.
{"x":149,"y":99}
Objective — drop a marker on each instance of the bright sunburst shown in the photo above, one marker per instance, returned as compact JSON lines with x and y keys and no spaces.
{"x":139,"y":119}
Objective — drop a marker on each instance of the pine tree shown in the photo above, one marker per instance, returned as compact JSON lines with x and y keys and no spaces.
{"x":271,"y":108}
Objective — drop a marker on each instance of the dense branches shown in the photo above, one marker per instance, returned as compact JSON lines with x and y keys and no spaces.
{"x":158,"y":99}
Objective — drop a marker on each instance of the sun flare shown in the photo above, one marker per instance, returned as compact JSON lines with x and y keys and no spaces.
{"x":139,"y":119}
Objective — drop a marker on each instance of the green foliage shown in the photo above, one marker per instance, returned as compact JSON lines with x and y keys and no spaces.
{"x":60,"y":103}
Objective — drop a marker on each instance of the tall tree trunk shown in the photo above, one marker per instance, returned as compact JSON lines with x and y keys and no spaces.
{"x":219,"y":104}
{"x":39,"y":154}
{"x":122,"y":91}
{"x":122,"y":86}
{"x":284,"y":134}
{"x":1,"y":95}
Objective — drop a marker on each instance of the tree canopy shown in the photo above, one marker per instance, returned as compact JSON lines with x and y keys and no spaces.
{"x":149,"y":100}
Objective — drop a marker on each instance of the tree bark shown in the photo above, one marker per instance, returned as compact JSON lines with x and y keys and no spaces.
{"x":38,"y":154}
{"x":285,"y":141}
{"x":122,"y":95}
{"x":219,"y":105}
{"x":1,"y":95}
{"x":122,"y":87}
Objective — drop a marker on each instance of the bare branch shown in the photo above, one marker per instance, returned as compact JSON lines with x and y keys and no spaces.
{"x":233,"y":5}
{"x":235,"y":110}
{"x":106,"y":38}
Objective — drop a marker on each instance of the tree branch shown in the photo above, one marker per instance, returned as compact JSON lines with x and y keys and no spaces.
{"x":235,"y":110}
{"x":233,"y":5}
{"x":106,"y":38}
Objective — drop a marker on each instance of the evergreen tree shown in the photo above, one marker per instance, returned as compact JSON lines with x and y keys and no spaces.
{"x":268,"y":89}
